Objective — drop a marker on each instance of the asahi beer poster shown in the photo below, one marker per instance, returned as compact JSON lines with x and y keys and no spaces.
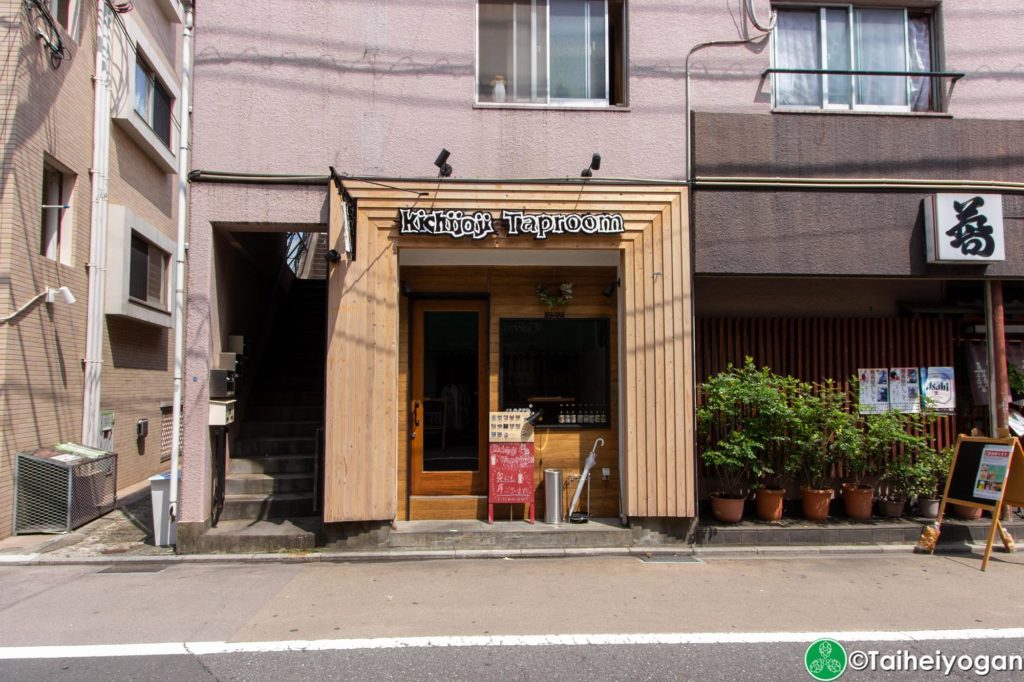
{"x":939,"y":388}
{"x":905,"y":389}
{"x":874,"y":390}
{"x":995,"y":460}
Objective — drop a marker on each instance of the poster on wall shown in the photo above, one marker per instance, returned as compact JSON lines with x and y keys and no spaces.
{"x":995,"y":460}
{"x":905,"y":389}
{"x":874,"y":389}
{"x":938,"y":388}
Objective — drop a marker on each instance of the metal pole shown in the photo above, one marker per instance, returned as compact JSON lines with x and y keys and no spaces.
{"x":181,"y":248}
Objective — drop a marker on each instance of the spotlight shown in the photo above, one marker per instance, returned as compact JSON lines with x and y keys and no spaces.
{"x":406,"y":289}
{"x":332,"y":256}
{"x":609,"y":290}
{"x":595,"y":164}
{"x":443,"y":168}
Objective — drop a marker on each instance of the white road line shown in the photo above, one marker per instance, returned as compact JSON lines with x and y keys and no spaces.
{"x":211,"y":648}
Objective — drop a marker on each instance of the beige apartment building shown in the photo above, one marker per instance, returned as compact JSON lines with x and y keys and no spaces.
{"x":68,"y":164}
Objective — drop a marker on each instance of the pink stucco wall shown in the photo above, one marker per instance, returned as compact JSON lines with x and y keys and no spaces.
{"x":378,"y":86}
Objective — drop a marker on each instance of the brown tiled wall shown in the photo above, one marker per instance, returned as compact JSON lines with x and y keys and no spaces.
{"x":49,"y":111}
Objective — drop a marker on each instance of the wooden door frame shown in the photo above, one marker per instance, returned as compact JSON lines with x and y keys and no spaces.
{"x":447,"y":482}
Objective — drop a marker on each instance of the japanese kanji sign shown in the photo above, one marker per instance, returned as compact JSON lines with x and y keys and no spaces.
{"x":964,"y":228}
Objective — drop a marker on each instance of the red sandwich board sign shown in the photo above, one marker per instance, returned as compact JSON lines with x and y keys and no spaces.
{"x":510,"y":459}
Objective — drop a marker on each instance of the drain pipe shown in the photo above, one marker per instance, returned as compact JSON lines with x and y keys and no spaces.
{"x":97,"y":265}
{"x":181,"y":249}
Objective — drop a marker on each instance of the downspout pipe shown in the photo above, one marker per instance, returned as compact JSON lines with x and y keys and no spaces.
{"x":97,"y":265}
{"x":181,"y":250}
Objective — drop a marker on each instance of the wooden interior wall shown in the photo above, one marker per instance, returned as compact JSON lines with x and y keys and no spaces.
{"x":363,"y":344}
{"x":511,"y":292}
{"x":815,"y":349}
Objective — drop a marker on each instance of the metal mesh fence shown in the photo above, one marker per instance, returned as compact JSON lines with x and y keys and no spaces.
{"x":56,"y":497}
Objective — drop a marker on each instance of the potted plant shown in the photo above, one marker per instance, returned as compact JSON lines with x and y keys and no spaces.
{"x":932,"y":470}
{"x":823,"y":433}
{"x":743,"y":420}
{"x":901,"y":438}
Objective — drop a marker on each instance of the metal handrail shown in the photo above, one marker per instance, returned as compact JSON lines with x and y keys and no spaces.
{"x":953,"y":75}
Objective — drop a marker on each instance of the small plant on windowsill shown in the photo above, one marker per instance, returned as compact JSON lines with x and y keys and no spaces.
{"x":558,"y":297}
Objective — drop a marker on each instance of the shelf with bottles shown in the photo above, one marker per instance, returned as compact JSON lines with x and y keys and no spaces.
{"x":573,"y":415}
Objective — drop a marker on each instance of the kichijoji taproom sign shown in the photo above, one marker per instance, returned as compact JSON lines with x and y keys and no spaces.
{"x":479,"y":224}
{"x":964,"y":228}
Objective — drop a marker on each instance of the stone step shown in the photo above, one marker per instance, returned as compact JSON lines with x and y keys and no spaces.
{"x":277,"y":427}
{"x":508,"y":535}
{"x":289,"y":398}
{"x":266,"y":506}
{"x":292,"y":383}
{"x":287,"y":464}
{"x":262,"y":484}
{"x":271,"y":446}
{"x":242,"y":536}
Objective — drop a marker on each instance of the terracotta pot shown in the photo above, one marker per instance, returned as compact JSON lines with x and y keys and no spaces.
{"x":768,"y":503}
{"x":816,"y":503}
{"x":727,"y":509}
{"x":928,"y":507}
{"x":892,"y":509}
{"x":857,"y":501}
{"x":961,"y":512}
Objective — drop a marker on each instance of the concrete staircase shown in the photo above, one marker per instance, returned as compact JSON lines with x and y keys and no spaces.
{"x":271,"y":482}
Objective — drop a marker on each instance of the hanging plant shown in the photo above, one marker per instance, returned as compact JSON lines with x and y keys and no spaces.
{"x":551,"y":298}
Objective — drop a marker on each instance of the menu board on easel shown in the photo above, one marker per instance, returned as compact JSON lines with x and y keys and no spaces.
{"x":986,"y":473}
{"x":510,"y":459}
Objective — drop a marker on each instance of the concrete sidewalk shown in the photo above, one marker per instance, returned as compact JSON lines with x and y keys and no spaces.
{"x":125,"y":536}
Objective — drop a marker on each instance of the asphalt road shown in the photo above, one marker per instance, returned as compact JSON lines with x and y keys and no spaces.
{"x":732,"y":619}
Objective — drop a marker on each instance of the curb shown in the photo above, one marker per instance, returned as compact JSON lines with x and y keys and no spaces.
{"x":382,"y":555}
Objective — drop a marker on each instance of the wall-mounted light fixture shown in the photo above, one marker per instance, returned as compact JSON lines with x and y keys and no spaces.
{"x":332,"y":256}
{"x":609,"y":290}
{"x":406,"y":289}
{"x":595,"y":164}
{"x":444,"y":170}
{"x":49,"y":294}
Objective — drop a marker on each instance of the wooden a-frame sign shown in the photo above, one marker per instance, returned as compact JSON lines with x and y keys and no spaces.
{"x":986,"y":473}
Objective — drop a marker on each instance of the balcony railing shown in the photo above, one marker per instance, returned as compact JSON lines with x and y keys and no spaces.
{"x":954,"y":76}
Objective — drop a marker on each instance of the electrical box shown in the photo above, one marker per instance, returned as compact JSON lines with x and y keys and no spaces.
{"x":141,"y":428}
{"x":222,"y":383}
{"x":222,"y":412}
{"x":230,"y":361}
{"x":236,"y":344}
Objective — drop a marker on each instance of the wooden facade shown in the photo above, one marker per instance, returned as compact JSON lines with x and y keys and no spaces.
{"x":366,"y":452}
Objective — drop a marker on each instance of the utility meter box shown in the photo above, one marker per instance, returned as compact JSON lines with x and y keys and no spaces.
{"x":222,"y":412}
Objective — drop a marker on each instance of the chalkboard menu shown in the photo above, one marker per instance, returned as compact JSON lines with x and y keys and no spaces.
{"x":511,"y":473}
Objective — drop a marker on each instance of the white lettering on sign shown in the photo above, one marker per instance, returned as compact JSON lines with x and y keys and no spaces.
{"x":455,"y":224}
{"x":540,"y":225}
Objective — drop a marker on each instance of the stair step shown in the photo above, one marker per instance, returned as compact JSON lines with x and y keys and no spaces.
{"x":267,"y":506}
{"x":285,"y":413}
{"x":250,"y":537}
{"x":286,"y":464}
{"x":289,"y":398}
{"x":263,"y":484}
{"x":280,"y":428}
{"x":275,"y":445}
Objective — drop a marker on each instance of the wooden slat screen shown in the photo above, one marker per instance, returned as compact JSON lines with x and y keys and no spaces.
{"x":816,"y":349}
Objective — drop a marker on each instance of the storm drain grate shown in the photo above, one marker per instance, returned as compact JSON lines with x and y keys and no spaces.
{"x":670,"y":559}
{"x":134,"y":568}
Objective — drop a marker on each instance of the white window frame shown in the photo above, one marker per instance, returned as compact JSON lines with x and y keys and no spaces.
{"x":546,"y":100}
{"x":153,"y":83}
{"x":71,"y":28}
{"x":824,"y":104}
{"x":56,"y":229}
{"x":129,"y":49}
{"x":162,"y":300}
{"x":122,"y":223}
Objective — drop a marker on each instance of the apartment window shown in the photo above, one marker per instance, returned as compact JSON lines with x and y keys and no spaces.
{"x":60,"y":10}
{"x":152,"y":101}
{"x":561,"y":52}
{"x":55,"y":222}
{"x":846,"y":38}
{"x":147,"y":273}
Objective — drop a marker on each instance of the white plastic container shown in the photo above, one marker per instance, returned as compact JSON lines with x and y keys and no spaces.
{"x":165,"y":531}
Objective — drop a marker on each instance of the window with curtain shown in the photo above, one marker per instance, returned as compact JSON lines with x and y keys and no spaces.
{"x":846,"y":38}
{"x":564,"y":52}
{"x":152,"y":101}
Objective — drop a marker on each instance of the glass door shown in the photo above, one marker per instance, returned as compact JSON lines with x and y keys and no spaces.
{"x":448,"y":411}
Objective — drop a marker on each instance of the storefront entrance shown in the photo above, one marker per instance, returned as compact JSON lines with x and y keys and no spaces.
{"x":447,"y":414}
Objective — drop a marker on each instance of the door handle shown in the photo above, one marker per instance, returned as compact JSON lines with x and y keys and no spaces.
{"x":415,"y":419}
